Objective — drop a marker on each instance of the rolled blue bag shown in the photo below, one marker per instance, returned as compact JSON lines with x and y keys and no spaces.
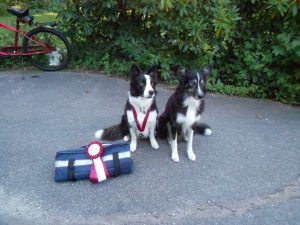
{"x":74,"y":164}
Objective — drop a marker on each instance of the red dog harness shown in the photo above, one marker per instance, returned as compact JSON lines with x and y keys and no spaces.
{"x":141,"y":129}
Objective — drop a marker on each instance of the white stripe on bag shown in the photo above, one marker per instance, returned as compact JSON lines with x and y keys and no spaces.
{"x":85,"y":162}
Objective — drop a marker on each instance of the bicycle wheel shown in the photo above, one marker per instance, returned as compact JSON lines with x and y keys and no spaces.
{"x":60,"y":55}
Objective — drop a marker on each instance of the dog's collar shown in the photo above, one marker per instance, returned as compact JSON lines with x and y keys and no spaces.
{"x":139,"y":127}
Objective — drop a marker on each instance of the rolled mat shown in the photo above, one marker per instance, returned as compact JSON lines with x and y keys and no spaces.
{"x":72,"y":165}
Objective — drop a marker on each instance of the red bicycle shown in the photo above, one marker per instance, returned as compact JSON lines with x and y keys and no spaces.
{"x":45,"y":47}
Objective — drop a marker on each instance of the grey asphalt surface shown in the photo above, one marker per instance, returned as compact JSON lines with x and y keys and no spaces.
{"x":247,"y":172}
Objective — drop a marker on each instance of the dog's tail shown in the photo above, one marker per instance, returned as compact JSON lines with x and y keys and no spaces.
{"x":202,"y":128}
{"x":110,"y":134}
{"x":162,"y":128}
{"x":114,"y":132}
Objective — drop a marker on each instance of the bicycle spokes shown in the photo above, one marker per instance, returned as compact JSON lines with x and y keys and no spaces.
{"x":53,"y":48}
{"x":49,"y":44}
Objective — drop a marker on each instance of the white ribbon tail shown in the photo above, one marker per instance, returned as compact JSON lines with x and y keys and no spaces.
{"x":100,"y":170}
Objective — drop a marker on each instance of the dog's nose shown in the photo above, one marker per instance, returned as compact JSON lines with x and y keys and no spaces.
{"x":200,"y":96}
{"x":151,"y":92}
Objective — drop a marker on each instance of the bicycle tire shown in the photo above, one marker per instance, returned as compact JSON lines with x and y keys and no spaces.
{"x":41,"y":61}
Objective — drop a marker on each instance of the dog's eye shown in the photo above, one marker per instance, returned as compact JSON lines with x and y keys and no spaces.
{"x":192,"y":83}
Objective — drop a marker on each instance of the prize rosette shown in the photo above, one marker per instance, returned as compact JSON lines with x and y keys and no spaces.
{"x":98,"y":170}
{"x":97,"y":162}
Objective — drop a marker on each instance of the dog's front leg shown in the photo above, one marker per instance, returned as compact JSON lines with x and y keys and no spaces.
{"x":132,"y":139}
{"x":153,"y":141}
{"x":175,"y":156}
{"x":190,"y":152}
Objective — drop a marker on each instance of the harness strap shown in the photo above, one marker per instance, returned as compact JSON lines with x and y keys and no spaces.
{"x":139,"y":127}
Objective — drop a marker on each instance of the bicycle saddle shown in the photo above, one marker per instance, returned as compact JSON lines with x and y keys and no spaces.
{"x":18,"y":12}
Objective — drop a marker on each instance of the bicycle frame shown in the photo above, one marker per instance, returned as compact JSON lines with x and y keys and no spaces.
{"x":16,"y":49}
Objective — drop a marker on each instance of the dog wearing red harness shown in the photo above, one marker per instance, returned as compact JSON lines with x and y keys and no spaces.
{"x":141,"y":113}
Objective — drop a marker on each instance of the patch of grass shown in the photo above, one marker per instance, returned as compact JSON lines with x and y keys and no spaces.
{"x":10,"y":20}
{"x":45,"y":17}
{"x":7,"y":37}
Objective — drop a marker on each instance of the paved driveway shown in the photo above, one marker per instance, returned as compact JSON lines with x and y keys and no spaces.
{"x":247,"y":172}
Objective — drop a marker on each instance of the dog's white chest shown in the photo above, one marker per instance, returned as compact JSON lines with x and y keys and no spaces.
{"x":191,"y":114}
{"x":141,"y":118}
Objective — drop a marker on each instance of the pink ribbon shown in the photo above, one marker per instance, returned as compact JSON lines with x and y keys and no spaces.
{"x":98,"y":171}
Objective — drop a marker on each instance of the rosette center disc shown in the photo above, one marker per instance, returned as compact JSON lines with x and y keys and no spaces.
{"x":94,"y":149}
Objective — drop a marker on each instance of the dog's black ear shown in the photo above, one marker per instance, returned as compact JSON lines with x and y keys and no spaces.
{"x":207,"y":70}
{"x":135,"y":70}
{"x":153,"y":72}
{"x":180,"y":72}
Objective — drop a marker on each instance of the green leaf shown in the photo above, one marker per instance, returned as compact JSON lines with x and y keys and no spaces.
{"x":296,"y":43}
{"x":277,"y":50}
{"x":294,"y":9}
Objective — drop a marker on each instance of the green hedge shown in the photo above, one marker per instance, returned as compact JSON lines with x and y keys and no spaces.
{"x":254,"y":45}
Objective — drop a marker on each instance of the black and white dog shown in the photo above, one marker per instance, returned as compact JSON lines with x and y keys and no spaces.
{"x":183,"y":111}
{"x":140,"y":115}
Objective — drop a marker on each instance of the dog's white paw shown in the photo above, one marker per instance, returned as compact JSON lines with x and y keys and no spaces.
{"x":98,"y":134}
{"x":185,"y":138}
{"x":207,"y":132}
{"x":154,"y":144}
{"x":132,"y":147}
{"x":175,"y":157}
{"x":192,"y":156}
{"x":126,"y":138}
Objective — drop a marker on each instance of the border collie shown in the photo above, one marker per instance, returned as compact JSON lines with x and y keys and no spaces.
{"x":140,"y":115}
{"x":183,"y":111}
